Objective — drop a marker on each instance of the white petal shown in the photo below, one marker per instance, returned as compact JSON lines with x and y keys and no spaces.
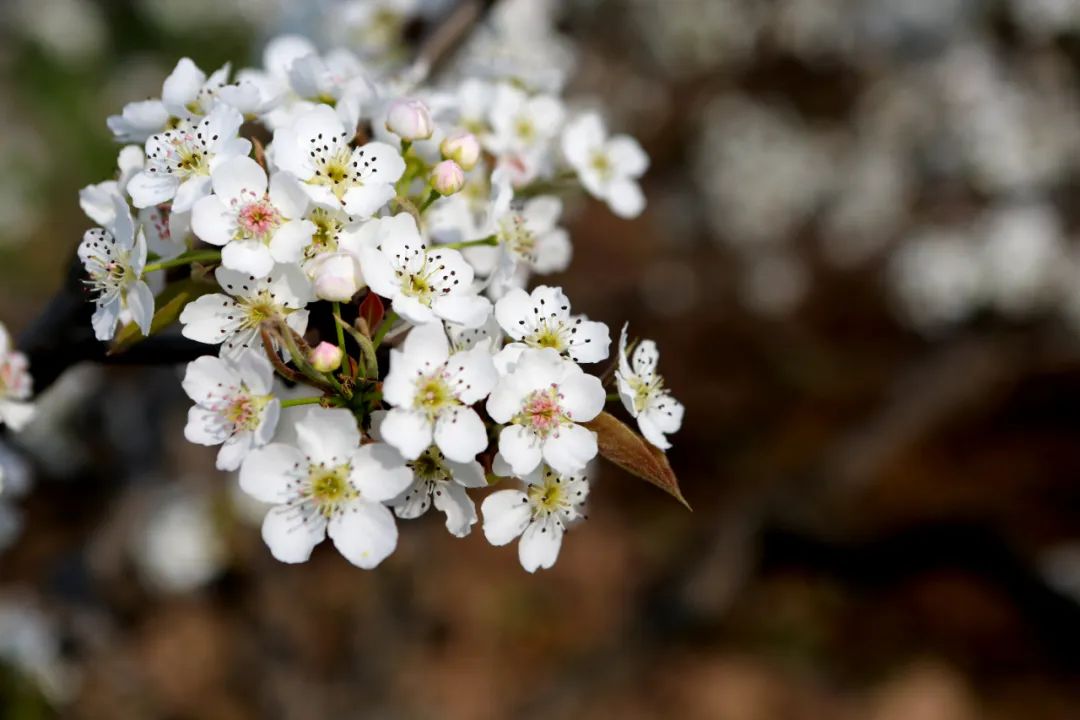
{"x":152,"y":188}
{"x":183,"y":84}
{"x":582,"y":137}
{"x":471,"y":374}
{"x":328,"y":435}
{"x":591,"y":341}
{"x":206,"y":427}
{"x":413,"y":310}
{"x":470,"y":311}
{"x":410,"y":432}
{"x":506,"y":515}
{"x":255,"y":370}
{"x":646,"y":356}
{"x":207,"y":320}
{"x":366,"y":200}
{"x":514,"y":311}
{"x":211,"y":221}
{"x":16,"y":415}
{"x":379,"y":273}
{"x":583,"y":396}
{"x":426,"y":346}
{"x":540,"y":543}
{"x":269,"y":471}
{"x":250,"y":257}
{"x":287,"y":195}
{"x":240,"y":180}
{"x":626,"y":156}
{"x":521,"y":448}
{"x":209,"y":377}
{"x":290,"y":536}
{"x":364,"y":533}
{"x":468,"y":474}
{"x":413,"y":502}
{"x":506,"y":399}
{"x":190,"y":192}
{"x":570,"y":450}
{"x":233,"y":451}
{"x":625,"y":198}
{"x":379,"y":472}
{"x":458,"y":507}
{"x":460,"y":434}
{"x":105,"y":318}
{"x":140,"y":301}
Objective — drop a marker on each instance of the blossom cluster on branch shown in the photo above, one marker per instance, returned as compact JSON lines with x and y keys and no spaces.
{"x":260,"y":207}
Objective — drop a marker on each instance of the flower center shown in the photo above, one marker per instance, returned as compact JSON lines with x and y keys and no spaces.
{"x":601,"y":164}
{"x":330,"y":488}
{"x":190,"y":159}
{"x":259,"y":309}
{"x":542,"y":412}
{"x":433,"y":395}
{"x":335,"y":168}
{"x":549,"y":496}
{"x":644,"y":392}
{"x":327,"y":229}
{"x":245,"y":411}
{"x":525,"y":129}
{"x":517,"y":236}
{"x":257,"y":219}
{"x":429,"y":467}
{"x":548,"y":337}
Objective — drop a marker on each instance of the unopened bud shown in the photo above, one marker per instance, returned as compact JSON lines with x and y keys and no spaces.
{"x":409,"y":119}
{"x":325,"y":357}
{"x":447,"y":177}
{"x":337,"y":277}
{"x":462,"y":147}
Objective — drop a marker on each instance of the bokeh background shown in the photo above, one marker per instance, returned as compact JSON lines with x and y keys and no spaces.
{"x":860,"y":261}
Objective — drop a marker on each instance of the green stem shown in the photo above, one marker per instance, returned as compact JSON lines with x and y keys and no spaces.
{"x":370,"y":365}
{"x":387,"y":322}
{"x":311,"y":401}
{"x":340,"y":330}
{"x":613,"y":397}
{"x":432,"y":197}
{"x":491,"y":240}
{"x":185,"y":259}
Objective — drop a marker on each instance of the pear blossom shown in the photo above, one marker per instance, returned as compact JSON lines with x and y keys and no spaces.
{"x":16,"y":386}
{"x":234,"y":320}
{"x":316,"y":150}
{"x":522,"y":124}
{"x":326,"y":357}
{"x":188,"y":93}
{"x":462,"y":147}
{"x":257,"y":222}
{"x":114,"y":258}
{"x":327,"y":484}
{"x":179,"y":162}
{"x":538,"y":514}
{"x":528,"y":236}
{"x":542,"y":400}
{"x":233,"y":407}
{"x":337,"y":78}
{"x":608,"y":167}
{"x":430,"y":391}
{"x":542,"y":319}
{"x":643,"y":393}
{"x":441,"y":482}
{"x":423,"y":284}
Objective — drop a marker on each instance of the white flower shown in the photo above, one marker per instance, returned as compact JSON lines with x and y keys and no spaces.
{"x":539,"y":515}
{"x":541,"y":400}
{"x":179,"y":162}
{"x":257,"y":227}
{"x":423,"y":284}
{"x":431,"y":390}
{"x":543,"y":320}
{"x":316,"y":150}
{"x":327,"y":485}
{"x":233,"y":407}
{"x":114,"y":259}
{"x":643,"y":394}
{"x":235,"y":321}
{"x":441,"y":482}
{"x":607,"y":167}
{"x":188,"y":94}
{"x":522,"y":124}
{"x":16,"y":385}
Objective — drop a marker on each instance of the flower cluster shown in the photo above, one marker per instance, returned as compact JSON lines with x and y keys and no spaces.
{"x":301,"y":218}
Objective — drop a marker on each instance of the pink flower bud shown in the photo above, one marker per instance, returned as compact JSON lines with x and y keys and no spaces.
{"x":462,"y":147}
{"x":325,"y":357}
{"x":447,"y":177}
{"x":337,"y":277}
{"x":409,"y":119}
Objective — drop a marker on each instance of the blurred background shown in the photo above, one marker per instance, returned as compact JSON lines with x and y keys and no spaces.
{"x":860,"y":261}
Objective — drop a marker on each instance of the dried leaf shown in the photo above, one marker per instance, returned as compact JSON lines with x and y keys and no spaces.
{"x":372,"y":310}
{"x":624,"y":447}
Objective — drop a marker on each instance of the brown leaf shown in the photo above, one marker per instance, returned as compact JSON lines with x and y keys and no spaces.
{"x":624,"y":447}
{"x":372,"y":310}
